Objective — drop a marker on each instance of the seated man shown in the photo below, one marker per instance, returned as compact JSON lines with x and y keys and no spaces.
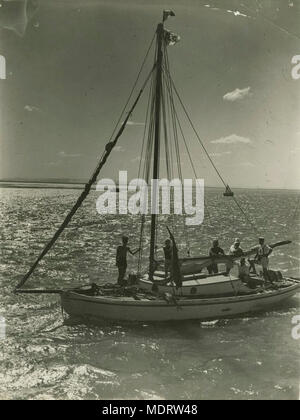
{"x":252,"y":266}
{"x":244,"y":275}
{"x":243,"y":271}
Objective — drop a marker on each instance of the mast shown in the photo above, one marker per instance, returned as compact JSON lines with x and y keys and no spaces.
{"x":158,"y":89}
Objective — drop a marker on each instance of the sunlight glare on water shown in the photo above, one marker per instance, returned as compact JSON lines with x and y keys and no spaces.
{"x":43,"y":357}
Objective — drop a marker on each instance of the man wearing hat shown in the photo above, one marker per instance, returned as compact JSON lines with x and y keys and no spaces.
{"x":215,"y":251}
{"x":262,"y":257}
{"x":121,"y":259}
{"x":263,"y":252}
{"x":236,"y":249}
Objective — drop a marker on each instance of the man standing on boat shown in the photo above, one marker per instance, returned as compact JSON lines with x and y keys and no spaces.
{"x":121,"y":259}
{"x":215,"y":251}
{"x":262,"y":256}
{"x":236,"y":249}
{"x":168,"y":256}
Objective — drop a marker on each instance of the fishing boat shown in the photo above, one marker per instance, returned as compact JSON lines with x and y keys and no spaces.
{"x":189,"y":292}
{"x":148,"y":308}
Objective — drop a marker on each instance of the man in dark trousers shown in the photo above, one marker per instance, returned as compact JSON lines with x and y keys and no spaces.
{"x":215,"y":251}
{"x":121,"y":259}
{"x":168,"y":257}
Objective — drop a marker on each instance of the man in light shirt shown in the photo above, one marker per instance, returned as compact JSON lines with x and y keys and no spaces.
{"x":236,"y":249}
{"x":263,"y":253}
{"x":262,"y":257}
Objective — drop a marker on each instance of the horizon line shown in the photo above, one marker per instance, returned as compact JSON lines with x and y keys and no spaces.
{"x":74,"y":182}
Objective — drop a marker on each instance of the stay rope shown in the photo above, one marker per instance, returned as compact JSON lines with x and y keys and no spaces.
{"x":133,"y":87}
{"x":209,"y":158}
{"x":108,"y":149}
{"x":174,"y":120}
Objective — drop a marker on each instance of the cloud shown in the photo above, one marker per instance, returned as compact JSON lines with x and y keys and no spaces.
{"x":237,"y":13}
{"x":30,"y":108}
{"x":234,"y":12}
{"x":210,"y":7}
{"x":118,"y":149}
{"x":63,"y":154}
{"x":232,"y":139}
{"x":295,"y":151}
{"x":237,"y":94}
{"x":216,"y":154}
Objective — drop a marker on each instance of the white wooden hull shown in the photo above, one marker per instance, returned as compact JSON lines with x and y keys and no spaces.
{"x":213,"y":286}
{"x":129,"y":309}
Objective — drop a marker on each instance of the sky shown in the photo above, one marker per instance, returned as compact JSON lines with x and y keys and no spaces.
{"x":70,"y":66}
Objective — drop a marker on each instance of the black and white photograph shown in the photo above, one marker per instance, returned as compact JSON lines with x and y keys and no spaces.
{"x":149,"y":202}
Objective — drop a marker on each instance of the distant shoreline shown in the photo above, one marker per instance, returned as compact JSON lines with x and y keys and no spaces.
{"x":41,"y":185}
{"x":80,"y":185}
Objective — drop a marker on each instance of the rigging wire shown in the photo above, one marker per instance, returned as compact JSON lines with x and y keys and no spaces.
{"x":148,"y":154}
{"x":272,"y":23}
{"x":133,"y":87}
{"x":108,"y":148}
{"x":191,"y":163}
{"x":150,"y":96}
{"x":210,"y":159}
{"x":177,"y":151}
{"x":182,"y":133}
{"x":143,"y":217}
{"x":175,"y":133}
{"x":195,"y":131}
{"x":170,"y":149}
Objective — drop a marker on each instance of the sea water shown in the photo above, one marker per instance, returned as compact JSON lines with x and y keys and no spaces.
{"x":43,"y":356}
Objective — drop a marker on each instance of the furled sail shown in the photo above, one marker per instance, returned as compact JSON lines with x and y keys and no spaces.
{"x":108,"y":148}
{"x":192,"y":265}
